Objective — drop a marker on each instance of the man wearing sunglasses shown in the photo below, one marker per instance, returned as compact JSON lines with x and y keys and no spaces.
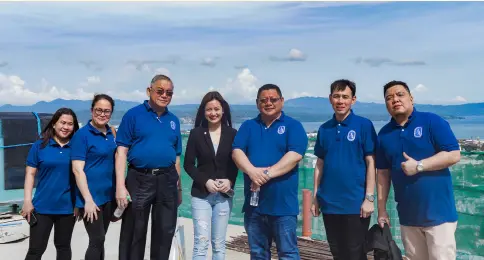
{"x":149,"y":139}
{"x":268,"y":149}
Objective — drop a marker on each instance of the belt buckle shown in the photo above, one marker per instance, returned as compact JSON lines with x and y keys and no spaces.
{"x":153,"y":171}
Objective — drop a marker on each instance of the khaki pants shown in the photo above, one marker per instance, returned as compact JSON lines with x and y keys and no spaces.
{"x":430,"y":243}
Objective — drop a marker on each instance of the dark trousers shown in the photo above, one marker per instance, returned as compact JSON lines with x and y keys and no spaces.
{"x":97,"y":231}
{"x":40,"y":233}
{"x":156,"y":192}
{"x":346,"y":235}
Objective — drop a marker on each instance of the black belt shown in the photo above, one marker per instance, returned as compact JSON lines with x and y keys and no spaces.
{"x":154,"y":171}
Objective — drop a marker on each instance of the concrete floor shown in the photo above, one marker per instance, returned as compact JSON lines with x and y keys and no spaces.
{"x":18,"y":250}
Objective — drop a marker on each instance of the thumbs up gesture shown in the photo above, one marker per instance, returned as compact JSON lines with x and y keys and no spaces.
{"x":409,"y":166}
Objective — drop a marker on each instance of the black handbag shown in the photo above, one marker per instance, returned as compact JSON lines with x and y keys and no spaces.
{"x":380,"y":241}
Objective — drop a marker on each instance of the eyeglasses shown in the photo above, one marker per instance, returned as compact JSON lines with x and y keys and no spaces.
{"x":272,"y":100}
{"x":161,"y":91}
{"x":100,"y":111}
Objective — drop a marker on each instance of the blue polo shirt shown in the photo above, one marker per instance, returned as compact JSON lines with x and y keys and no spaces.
{"x":153,"y":141}
{"x":343,"y":147}
{"x":54,"y":192}
{"x":265,"y":147}
{"x":427,"y":198}
{"x":97,"y":151}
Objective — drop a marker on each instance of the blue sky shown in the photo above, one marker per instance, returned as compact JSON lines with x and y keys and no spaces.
{"x":73,"y":50}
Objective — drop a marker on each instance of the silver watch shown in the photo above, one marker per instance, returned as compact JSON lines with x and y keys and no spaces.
{"x":420,"y":166}
{"x":266,"y":172}
{"x":370,"y":197}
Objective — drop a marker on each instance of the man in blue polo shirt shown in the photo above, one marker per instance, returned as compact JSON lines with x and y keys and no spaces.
{"x":268,"y":149}
{"x":149,"y":139}
{"x":416,"y":150}
{"x":344,"y":176}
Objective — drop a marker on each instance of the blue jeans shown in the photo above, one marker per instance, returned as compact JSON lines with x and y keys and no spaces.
{"x":210,"y":219}
{"x":263,"y":229}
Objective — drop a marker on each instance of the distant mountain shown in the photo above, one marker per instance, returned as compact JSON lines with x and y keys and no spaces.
{"x":304,"y":109}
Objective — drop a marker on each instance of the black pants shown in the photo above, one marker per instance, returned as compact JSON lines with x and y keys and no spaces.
{"x":346,"y":236}
{"x":40,"y":233}
{"x":97,"y":231}
{"x":156,"y":192}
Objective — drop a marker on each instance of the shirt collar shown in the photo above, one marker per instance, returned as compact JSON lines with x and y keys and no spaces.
{"x":281,"y":118}
{"x":410,"y":119}
{"x":346,"y":121}
{"x":94,"y":130}
{"x":52,"y":142}
{"x":148,"y":107}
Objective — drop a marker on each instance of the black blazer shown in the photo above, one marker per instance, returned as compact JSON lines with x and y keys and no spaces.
{"x":208,"y":164}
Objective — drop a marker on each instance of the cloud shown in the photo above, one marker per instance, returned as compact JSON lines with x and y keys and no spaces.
{"x":459,"y":99}
{"x":240,"y":67}
{"x":3,"y":64}
{"x":91,"y":65}
{"x":90,"y":81}
{"x":144,"y":65}
{"x":296,"y":94}
{"x":420,"y":88}
{"x":13,"y":91}
{"x":163,"y":71}
{"x":93,"y":80}
{"x":209,"y":61}
{"x":241,"y":89}
{"x":293,"y":55}
{"x":377,"y":62}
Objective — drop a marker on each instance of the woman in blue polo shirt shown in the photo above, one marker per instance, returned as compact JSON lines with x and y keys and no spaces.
{"x":93,"y":150}
{"x":208,"y":161}
{"x":53,"y":203}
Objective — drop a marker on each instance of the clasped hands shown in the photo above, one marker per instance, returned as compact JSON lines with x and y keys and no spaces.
{"x":218,"y":185}
{"x":258,"y":177}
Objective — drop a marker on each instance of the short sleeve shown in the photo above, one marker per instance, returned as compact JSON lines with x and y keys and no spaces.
{"x":318,"y":146}
{"x":179,"y":146}
{"x":33,"y":156}
{"x":442,"y":137}
{"x":297,"y":139}
{"x":370,"y":139}
{"x":242,"y":137}
{"x":124,"y":136}
{"x":381,"y":159}
{"x":79,"y":146}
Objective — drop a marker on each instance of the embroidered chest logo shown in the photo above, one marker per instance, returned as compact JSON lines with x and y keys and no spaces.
{"x":417,"y":132}
{"x":281,"y":130}
{"x":172,"y":124}
{"x":351,"y":135}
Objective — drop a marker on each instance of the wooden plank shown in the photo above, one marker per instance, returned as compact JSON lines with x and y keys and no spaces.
{"x":308,"y":249}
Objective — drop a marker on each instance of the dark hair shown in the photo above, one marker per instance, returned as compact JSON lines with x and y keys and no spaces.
{"x":160,"y":77}
{"x":200,"y":120}
{"x":341,"y":84}
{"x":394,"y":83}
{"x":269,"y":87}
{"x":49,"y":131}
{"x":99,"y":97}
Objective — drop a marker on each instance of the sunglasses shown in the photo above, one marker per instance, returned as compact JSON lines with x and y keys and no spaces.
{"x":161,"y":91}
{"x":272,"y":100}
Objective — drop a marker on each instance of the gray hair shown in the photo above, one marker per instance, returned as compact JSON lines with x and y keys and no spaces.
{"x":160,"y":77}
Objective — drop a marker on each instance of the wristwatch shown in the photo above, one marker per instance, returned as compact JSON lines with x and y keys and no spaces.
{"x":420,"y":166}
{"x":266,"y":172}
{"x":370,"y":197}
